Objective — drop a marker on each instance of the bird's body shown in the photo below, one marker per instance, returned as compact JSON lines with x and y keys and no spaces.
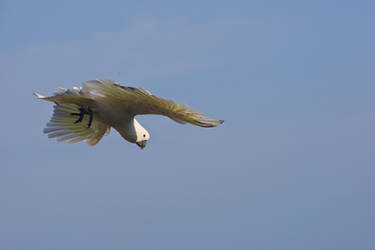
{"x":88,"y":112}
{"x":117,"y":117}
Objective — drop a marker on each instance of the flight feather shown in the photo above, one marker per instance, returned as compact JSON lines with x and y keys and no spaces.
{"x":140,"y":102}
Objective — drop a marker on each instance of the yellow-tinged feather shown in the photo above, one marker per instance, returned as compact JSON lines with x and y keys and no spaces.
{"x":62,"y":126}
{"x":140,"y":102}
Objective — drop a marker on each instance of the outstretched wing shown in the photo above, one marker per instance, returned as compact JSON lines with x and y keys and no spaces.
{"x":141,"y":101}
{"x":77,"y":96}
{"x":66,"y":126}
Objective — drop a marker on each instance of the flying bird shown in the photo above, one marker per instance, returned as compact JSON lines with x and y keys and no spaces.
{"x":88,"y":112}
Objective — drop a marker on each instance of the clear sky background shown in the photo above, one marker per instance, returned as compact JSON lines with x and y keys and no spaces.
{"x":291,"y":168}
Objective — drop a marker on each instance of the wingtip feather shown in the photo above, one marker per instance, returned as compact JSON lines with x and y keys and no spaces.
{"x":209,"y":122}
{"x":39,"y":96}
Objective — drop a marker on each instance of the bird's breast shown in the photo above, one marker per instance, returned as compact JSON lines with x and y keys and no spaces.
{"x":112,"y":115}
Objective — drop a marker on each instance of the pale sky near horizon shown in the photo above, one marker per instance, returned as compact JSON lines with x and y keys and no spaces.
{"x":291,"y":168}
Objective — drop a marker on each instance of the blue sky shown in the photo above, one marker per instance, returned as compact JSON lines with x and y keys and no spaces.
{"x":291,"y":168}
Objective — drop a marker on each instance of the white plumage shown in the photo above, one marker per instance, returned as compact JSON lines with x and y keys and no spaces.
{"x":88,"y":112}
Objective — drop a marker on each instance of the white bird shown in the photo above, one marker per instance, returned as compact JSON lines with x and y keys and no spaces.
{"x":88,"y":112}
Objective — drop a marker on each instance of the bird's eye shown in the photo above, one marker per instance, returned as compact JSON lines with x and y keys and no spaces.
{"x":144,"y":135}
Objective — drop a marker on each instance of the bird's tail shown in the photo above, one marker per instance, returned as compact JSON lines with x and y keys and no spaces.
{"x":72,"y":120}
{"x":73,"y":124}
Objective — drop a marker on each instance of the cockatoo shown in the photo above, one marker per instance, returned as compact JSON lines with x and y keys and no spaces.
{"x":88,"y":112}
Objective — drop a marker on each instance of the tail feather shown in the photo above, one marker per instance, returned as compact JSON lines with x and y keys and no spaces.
{"x":64,"y":126}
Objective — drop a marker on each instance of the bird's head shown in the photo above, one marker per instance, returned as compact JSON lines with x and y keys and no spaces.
{"x":142,"y":135}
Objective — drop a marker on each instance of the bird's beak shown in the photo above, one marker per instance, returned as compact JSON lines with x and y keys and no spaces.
{"x":141,"y":144}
